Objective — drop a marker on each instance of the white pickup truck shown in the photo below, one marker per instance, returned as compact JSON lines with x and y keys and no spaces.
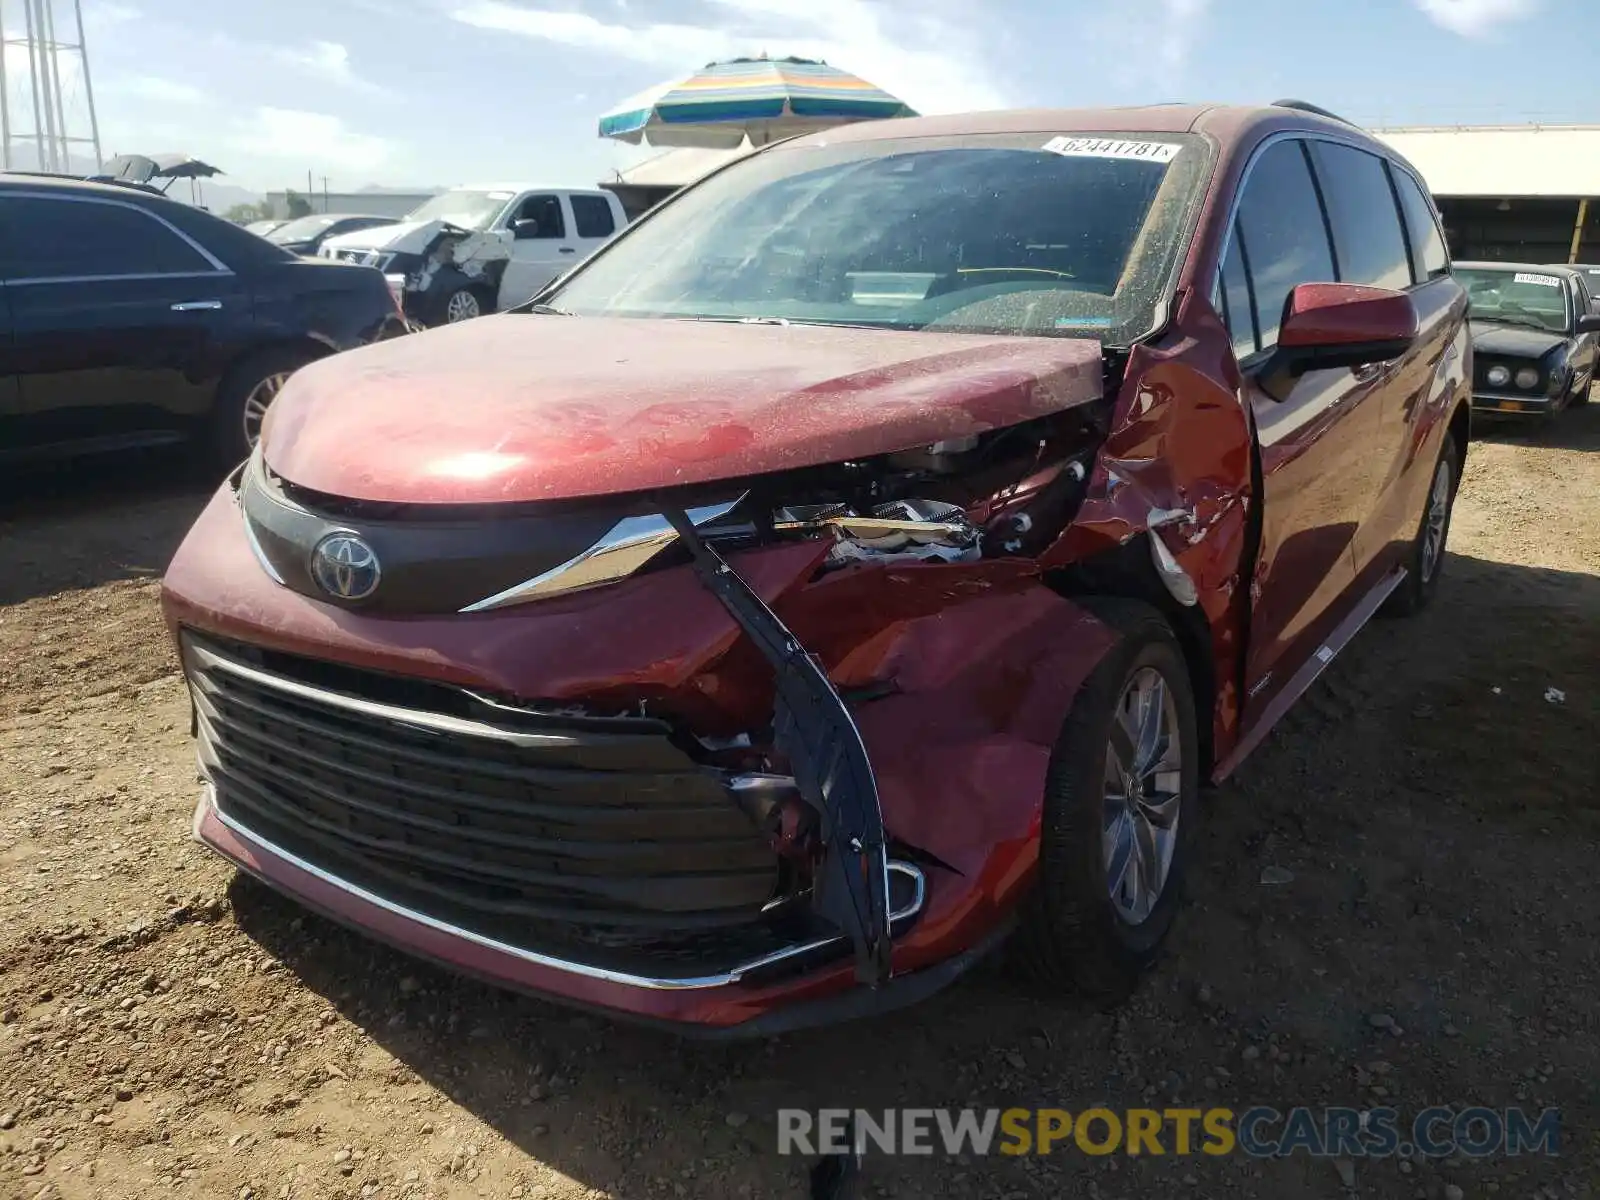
{"x":473,"y":250}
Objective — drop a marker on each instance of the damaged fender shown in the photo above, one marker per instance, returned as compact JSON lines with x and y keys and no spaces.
{"x":1176,"y":469}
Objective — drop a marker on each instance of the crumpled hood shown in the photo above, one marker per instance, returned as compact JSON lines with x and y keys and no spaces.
{"x":411,"y":237}
{"x":1491,"y":337}
{"x":522,"y":407}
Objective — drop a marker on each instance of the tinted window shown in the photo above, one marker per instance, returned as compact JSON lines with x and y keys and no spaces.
{"x":1427,"y":243}
{"x":1237,"y":309}
{"x":547,"y":211}
{"x":1281,"y":227}
{"x":1367,"y":238}
{"x":49,"y":239}
{"x":592,"y":216}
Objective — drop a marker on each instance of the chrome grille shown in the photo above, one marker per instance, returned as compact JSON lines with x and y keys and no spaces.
{"x":552,"y":831}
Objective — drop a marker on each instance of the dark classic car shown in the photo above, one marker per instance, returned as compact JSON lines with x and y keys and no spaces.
{"x":865,"y":557}
{"x":1535,"y":337}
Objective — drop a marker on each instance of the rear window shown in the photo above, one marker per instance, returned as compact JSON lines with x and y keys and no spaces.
{"x":592,"y":216}
{"x":1016,"y":234}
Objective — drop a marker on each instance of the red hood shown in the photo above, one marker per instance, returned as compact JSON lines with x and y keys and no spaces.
{"x":522,"y":407}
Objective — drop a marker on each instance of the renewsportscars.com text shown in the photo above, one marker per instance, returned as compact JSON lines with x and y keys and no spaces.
{"x":1260,"y":1132}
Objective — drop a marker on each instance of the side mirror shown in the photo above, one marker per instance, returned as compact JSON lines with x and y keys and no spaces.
{"x":1328,"y":325}
{"x":1589,"y":324}
{"x":526,"y":227}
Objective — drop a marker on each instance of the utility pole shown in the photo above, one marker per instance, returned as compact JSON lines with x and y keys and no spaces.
{"x":49,"y":63}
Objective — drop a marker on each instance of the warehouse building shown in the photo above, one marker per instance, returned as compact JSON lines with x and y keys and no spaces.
{"x":1525,"y":193}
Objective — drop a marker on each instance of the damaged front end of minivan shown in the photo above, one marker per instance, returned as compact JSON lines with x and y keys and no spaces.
{"x":732,"y":752}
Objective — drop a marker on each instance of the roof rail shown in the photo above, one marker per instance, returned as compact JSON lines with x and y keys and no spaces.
{"x":1306,"y":106}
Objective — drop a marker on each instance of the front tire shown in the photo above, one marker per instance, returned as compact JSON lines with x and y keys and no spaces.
{"x":1121,"y":806}
{"x":464,"y":303}
{"x":243,"y":397}
{"x":1425,"y":563}
{"x":1580,"y":395}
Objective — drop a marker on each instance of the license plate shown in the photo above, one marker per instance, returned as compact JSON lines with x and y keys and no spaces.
{"x":1508,"y":406}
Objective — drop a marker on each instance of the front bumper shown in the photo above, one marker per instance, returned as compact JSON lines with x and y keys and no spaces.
{"x":718,"y":1006}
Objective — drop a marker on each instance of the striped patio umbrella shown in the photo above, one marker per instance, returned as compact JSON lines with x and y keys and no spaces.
{"x":757,"y":98}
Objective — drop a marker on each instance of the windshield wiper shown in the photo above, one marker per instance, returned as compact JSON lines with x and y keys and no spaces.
{"x":1520,"y":323}
{"x":549,"y":310}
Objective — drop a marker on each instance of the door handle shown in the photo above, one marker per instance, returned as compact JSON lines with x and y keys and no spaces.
{"x":196,"y":305}
{"x":568,"y":250}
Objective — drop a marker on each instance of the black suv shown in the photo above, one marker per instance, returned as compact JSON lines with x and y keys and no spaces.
{"x":134,"y":320}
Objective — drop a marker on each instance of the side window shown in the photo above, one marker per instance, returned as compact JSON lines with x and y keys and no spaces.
{"x":1427,"y":242}
{"x":1282,"y":232}
{"x":547,"y":211}
{"x":1368,"y":241}
{"x":592,"y":216}
{"x":1586,"y":298}
{"x":1237,"y":308}
{"x":66,"y":239}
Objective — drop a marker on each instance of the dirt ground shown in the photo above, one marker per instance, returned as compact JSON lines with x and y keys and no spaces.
{"x":169,"y":1029}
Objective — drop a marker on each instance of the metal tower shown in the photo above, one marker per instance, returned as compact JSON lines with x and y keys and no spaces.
{"x":56,"y":85}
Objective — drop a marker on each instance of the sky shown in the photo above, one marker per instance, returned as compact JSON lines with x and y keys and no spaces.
{"x":439,"y":92}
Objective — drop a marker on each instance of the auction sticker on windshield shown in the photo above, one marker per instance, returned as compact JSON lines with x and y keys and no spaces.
{"x":1088,"y":147}
{"x":1541,"y":280}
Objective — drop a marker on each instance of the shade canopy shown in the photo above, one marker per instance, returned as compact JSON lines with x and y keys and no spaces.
{"x":759,"y":99}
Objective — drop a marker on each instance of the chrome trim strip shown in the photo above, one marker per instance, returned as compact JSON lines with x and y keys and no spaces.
{"x":440,"y":723}
{"x":60,"y":198}
{"x":261,"y":555}
{"x":651,"y":983}
{"x":132,"y":278}
{"x":622,"y":550}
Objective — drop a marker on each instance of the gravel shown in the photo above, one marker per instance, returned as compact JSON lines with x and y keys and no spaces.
{"x":182,"y":1032}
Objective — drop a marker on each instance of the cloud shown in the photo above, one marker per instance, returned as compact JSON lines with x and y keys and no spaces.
{"x":1165,"y":31}
{"x":927,"y":58}
{"x":1181,"y":23}
{"x":105,"y":13}
{"x":1475,"y":18}
{"x":153,"y":88}
{"x":309,"y":139}
{"x":328,"y":61}
{"x":663,"y":45}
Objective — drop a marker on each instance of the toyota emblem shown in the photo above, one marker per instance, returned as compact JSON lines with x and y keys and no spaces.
{"x":345,"y":567}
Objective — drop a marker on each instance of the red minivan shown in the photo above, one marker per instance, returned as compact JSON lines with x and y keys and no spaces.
{"x":860,"y":563}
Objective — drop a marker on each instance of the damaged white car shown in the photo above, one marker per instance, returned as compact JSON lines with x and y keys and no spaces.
{"x":476,"y":250}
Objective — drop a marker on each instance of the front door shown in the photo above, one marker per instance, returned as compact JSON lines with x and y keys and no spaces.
{"x":119,"y":322}
{"x":542,"y":247}
{"x":1312,"y":441}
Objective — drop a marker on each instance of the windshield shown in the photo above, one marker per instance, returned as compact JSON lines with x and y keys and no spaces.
{"x":1532,"y":298}
{"x":300,"y":229}
{"x":468,"y":209}
{"x":1014,"y":234}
